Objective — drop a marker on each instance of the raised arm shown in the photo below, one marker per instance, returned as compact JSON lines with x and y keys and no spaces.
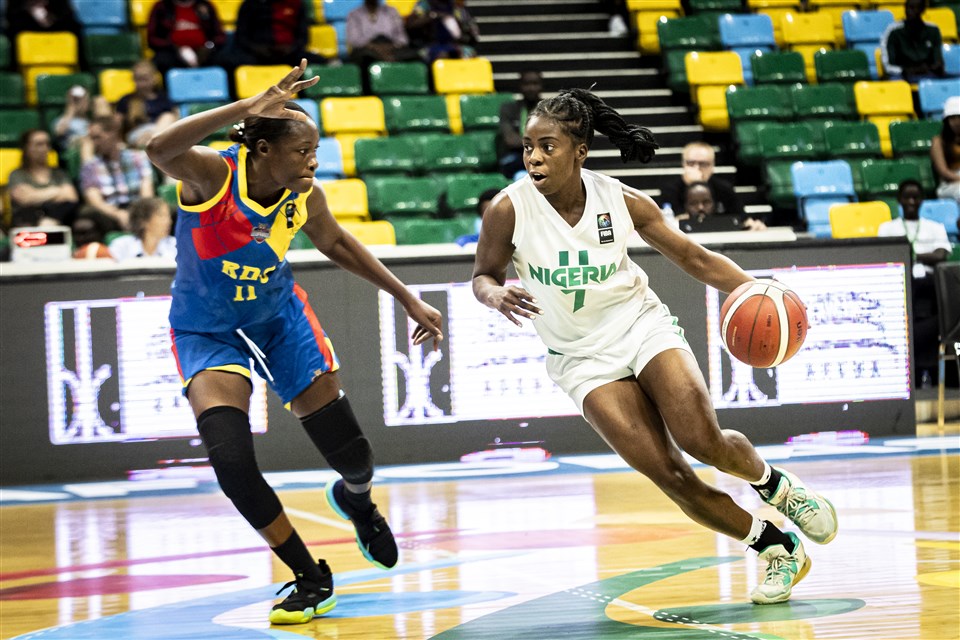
{"x":706,"y":266}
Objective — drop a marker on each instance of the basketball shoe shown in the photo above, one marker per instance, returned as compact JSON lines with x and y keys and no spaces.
{"x":784,"y":571}
{"x":374,"y":537}
{"x":808,"y":510}
{"x":308,"y":599}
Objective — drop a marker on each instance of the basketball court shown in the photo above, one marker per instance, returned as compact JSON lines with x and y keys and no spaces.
{"x":572,"y":547}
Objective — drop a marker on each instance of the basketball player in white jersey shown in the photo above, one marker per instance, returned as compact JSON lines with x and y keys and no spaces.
{"x":612,"y":345}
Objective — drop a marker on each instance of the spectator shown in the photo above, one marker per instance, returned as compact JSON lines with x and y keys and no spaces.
{"x":513,"y":119}
{"x":945,"y":151}
{"x":442,"y":29}
{"x":72,"y":126}
{"x":147,"y":110}
{"x":931,"y":245}
{"x":41,"y":15}
{"x":698,"y":166}
{"x":40,"y":194}
{"x":375,"y":33}
{"x":115,"y":177}
{"x":271,"y":32}
{"x":89,"y":231}
{"x":698,"y":200}
{"x":482,"y":203}
{"x":184,"y":33}
{"x":911,"y":48}
{"x":150,"y":225}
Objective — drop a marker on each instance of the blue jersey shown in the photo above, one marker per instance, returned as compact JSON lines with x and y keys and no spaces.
{"x":231,"y":271}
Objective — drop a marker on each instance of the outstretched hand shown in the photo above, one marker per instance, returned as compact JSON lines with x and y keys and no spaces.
{"x":429,"y":323}
{"x":515,"y":301}
{"x":270,"y":103}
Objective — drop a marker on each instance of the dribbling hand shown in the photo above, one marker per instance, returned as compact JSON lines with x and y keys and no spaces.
{"x":515,"y":301}
{"x":270,"y":103}
{"x":429,"y":323}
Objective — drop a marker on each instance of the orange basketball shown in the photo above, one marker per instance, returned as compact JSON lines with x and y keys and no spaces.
{"x":763,"y":323}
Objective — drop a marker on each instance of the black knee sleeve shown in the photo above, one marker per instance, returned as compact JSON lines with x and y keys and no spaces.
{"x":336,"y":433}
{"x":226,"y":435}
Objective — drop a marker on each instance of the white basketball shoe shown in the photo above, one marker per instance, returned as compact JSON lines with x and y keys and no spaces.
{"x":811,"y":512}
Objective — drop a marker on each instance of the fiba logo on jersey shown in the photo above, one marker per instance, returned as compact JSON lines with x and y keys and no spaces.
{"x":605,"y":228}
{"x":260,"y":233}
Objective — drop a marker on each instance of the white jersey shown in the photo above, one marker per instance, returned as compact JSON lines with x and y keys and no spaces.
{"x":591,"y":292}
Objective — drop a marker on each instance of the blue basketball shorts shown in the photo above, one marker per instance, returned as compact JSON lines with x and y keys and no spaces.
{"x":290,"y":350}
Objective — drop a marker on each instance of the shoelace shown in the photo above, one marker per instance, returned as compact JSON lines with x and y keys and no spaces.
{"x":286,"y":586}
{"x":777,"y":571}
{"x":797,"y":508}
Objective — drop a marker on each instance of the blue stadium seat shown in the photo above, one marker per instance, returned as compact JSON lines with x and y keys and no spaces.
{"x":865,"y":26}
{"x":207,"y":84}
{"x":933,"y":93}
{"x":336,"y":10}
{"x":341,"y":29}
{"x":746,"y":30}
{"x":329,"y":159}
{"x":944,"y":212}
{"x":310,"y":106}
{"x":101,"y":16}
{"x":817,"y":185}
{"x":869,"y":48}
{"x":951,"y":60}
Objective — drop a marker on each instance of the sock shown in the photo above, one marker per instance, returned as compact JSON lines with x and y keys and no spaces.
{"x":771,"y":535}
{"x":767,"y":485}
{"x":357,"y":500}
{"x":295,"y":555}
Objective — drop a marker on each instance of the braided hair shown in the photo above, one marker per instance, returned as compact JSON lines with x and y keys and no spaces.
{"x":579,"y":112}
{"x":259,"y":128}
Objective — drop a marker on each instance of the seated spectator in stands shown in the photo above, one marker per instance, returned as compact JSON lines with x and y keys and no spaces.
{"x":71,"y":127}
{"x":945,"y":151}
{"x":911,"y":48}
{"x":147,"y":110}
{"x":41,"y":15}
{"x":442,"y":29}
{"x":115,"y":177}
{"x":931,"y":246}
{"x":270,"y":32}
{"x":89,"y":230}
{"x":698,"y":166}
{"x":40,"y":194}
{"x":513,"y":118}
{"x":375,"y":33}
{"x":184,"y":33}
{"x":483,"y":202}
{"x":150,"y":225}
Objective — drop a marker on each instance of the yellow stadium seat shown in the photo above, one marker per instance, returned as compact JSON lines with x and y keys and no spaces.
{"x":453,"y":113}
{"x":758,"y":6}
{"x":897,"y":9}
{"x":712,"y":102}
{"x":10,"y":160}
{"x":858,"y":219}
{"x":709,"y":75}
{"x":352,"y":115}
{"x":776,"y":16}
{"x":945,"y":20}
{"x":403,"y":7}
{"x":808,"y":33}
{"x":323,"y":41}
{"x":347,"y":142}
{"x":252,"y":79}
{"x":116,"y":83}
{"x":655,"y":5}
{"x":882,"y":103}
{"x":227,"y":11}
{"x":347,"y":199}
{"x":836,"y":14}
{"x":139,"y":11}
{"x":373,"y":232}
{"x":473,"y":75}
{"x":648,"y":38}
{"x":47,"y":48}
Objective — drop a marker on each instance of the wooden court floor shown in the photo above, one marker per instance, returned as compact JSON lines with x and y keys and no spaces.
{"x":574,"y":548}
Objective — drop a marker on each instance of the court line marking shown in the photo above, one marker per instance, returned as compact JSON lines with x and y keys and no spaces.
{"x":343,"y":525}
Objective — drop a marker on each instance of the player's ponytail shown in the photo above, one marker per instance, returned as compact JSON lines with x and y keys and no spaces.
{"x":580,"y":112}
{"x":259,"y":128}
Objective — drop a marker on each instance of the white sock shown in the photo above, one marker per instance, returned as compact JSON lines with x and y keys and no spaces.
{"x":755,"y":530}
{"x":765,"y":476}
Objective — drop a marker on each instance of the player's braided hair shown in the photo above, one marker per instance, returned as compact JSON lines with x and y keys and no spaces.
{"x":258,"y":128}
{"x":580,"y":112}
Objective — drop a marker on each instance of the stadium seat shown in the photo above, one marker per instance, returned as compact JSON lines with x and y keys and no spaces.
{"x":337,"y":10}
{"x":190,"y":108}
{"x":342,"y":81}
{"x":205,"y":84}
{"x":808,"y":34}
{"x":933,"y":93}
{"x":117,"y":50}
{"x":390,"y":154}
{"x":946,"y":21}
{"x":865,"y":26}
{"x":778,"y":67}
{"x":463,"y":189}
{"x":848,"y":65}
{"x":398,"y":78}
{"x":115,"y":83}
{"x":654,"y":5}
{"x":779,"y":183}
{"x":852,"y":139}
{"x":821,"y":101}
{"x":11,"y":89}
{"x":403,"y":7}
{"x":715,"y":7}
{"x":310,"y":107}
{"x":482,"y":112}
{"x":753,"y":31}
{"x":253,"y":79}
{"x":444,"y":152}
{"x":374,"y":232}
{"x":674,"y":61}
{"x":322,"y":40}
{"x":47,"y":48}
{"x":789,"y":141}
{"x":347,"y":199}
{"x":140,"y":12}
{"x":951,"y":60}
{"x":767,"y":102}
{"x":648,"y":38}
{"x":102,"y":16}
{"x":5,"y":58}
{"x":389,"y":196}
{"x":52,"y":89}
{"x":473,"y":75}
{"x":858,"y":219}
{"x":10,"y":160}
{"x":817,"y":186}
{"x":693,"y":33}
{"x":913,"y":137}
{"x":15,"y":123}
{"x":329,"y":159}
{"x":709,"y":74}
{"x":348,"y":142}
{"x":416,"y":114}
{"x":924,"y":166}
{"x":747,"y":135}
{"x":486,"y":147}
{"x":883,"y":103}
{"x":423,"y":230}
{"x":943,"y":211}
{"x":776,"y":15}
{"x":883,"y":177}
{"x":352,"y":115}
{"x":227,"y":11}
{"x":452,"y":101}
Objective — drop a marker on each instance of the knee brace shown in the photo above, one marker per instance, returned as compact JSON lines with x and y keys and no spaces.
{"x":336,"y":433}
{"x":226,"y":435}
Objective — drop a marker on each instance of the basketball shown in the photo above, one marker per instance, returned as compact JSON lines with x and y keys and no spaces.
{"x":763,"y":323}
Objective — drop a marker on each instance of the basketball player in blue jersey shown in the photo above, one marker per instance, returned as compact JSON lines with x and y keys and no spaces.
{"x":234,"y":300}
{"x":612,"y":345}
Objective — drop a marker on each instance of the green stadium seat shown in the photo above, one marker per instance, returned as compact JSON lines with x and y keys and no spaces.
{"x":5,"y":58}
{"x":422,"y":230}
{"x":338,"y":82}
{"x":463,"y":190}
{"x":52,"y":89}
{"x":715,"y":7}
{"x":694,"y":33}
{"x":393,"y":195}
{"x":11,"y":89}
{"x":779,"y":183}
{"x":747,"y":136}
{"x":301,"y":241}
{"x":822,"y":101}
{"x":192,"y":108}
{"x":676,"y":69}
{"x":486,"y":147}
{"x":883,"y":177}
{"x":169,"y":193}
{"x":844,"y":65}
{"x":794,"y":141}
{"x":112,"y":50}
{"x":390,"y":154}
{"x":778,"y":67}
{"x":769,"y":102}
{"x":398,"y":78}
{"x":913,"y":137}
{"x":416,"y":114}
{"x":853,"y":140}
{"x":925,"y":168}
{"x":482,"y":111}
{"x":15,"y":123}
{"x":447,"y":152}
